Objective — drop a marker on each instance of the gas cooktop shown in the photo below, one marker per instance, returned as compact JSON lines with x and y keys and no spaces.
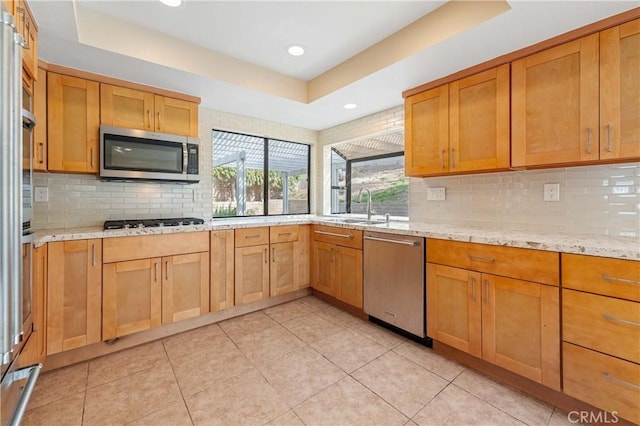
{"x":151,"y":223}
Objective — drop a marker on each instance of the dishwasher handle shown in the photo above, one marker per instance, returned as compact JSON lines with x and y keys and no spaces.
{"x":390,"y":240}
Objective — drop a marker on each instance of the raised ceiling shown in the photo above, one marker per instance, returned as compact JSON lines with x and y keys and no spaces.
{"x":233,"y":54}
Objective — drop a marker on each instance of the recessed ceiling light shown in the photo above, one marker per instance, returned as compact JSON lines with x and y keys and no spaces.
{"x":172,"y":3}
{"x":350,"y":106}
{"x":295,"y":50}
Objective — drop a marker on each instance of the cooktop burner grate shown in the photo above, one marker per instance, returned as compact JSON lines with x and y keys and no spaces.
{"x":151,"y":223}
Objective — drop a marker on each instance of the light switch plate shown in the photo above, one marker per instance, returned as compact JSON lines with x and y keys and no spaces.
{"x":41,"y":194}
{"x":436,"y":194}
{"x":551,"y":192}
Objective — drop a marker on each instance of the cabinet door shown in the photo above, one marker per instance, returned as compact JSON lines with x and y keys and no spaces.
{"x":74,"y":293}
{"x":323,"y":269}
{"x":454,"y":314}
{"x":35,"y":351}
{"x":620,"y":91}
{"x":185,"y":286}
{"x":40,"y":131}
{"x":426,"y":149}
{"x":73,"y":123}
{"x":27,"y":28}
{"x":132,"y":299}
{"x":348,"y":275}
{"x":521,"y":328}
{"x":554,"y":105}
{"x":302,"y":255}
{"x":284,"y":268}
{"x":222,"y":269}
{"x":176,"y":116}
{"x":252,"y":274}
{"x":479,"y":121}
{"x":122,"y":107}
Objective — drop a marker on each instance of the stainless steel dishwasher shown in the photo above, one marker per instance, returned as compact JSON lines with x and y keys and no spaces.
{"x":394,"y":286}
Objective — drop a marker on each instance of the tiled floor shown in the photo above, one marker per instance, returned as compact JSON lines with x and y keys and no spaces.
{"x":304,"y":362}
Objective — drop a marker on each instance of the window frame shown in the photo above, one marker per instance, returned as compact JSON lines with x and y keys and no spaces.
{"x":265,"y":170}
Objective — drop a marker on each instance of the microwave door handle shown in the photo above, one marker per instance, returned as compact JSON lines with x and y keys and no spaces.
{"x":185,"y":158}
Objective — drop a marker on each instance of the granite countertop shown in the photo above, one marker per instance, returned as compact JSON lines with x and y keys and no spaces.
{"x":594,"y":245}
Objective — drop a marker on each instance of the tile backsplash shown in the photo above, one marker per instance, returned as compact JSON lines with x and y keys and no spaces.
{"x":603,"y":200}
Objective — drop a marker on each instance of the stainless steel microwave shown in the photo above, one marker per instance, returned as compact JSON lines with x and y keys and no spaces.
{"x":129,"y":154}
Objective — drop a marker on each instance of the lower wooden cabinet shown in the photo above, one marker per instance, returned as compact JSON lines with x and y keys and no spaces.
{"x":35,"y":350}
{"x":251,"y":273}
{"x":74,"y":293}
{"x":185,"y":286}
{"x":283,"y":269}
{"x":512,"y":323}
{"x":302,"y":249}
{"x":348,"y":275}
{"x":323,"y":271}
{"x":222,"y":270}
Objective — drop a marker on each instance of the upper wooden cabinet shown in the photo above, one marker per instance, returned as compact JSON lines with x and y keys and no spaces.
{"x":73,"y":122}
{"x":459,"y":127}
{"x":27,"y":27}
{"x":40,"y":131}
{"x":620,"y":91}
{"x":135,"y":109}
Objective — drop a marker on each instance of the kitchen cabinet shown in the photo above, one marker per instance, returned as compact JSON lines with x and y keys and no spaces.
{"x":73,"y":123}
{"x":601,"y":343}
{"x":251,"y":264}
{"x":507,"y":321}
{"x":302,"y":249}
{"x":35,"y":350}
{"x":136,"y":109}
{"x":9,"y":5}
{"x":153,"y":280}
{"x":74,"y":293}
{"x":40,"y":131}
{"x":27,"y":27}
{"x":222,"y":269}
{"x":336,"y":255}
{"x":284,"y":266}
{"x":459,"y":127}
{"x":620,"y":92}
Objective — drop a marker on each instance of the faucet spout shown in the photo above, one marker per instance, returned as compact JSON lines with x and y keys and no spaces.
{"x":370,"y":211}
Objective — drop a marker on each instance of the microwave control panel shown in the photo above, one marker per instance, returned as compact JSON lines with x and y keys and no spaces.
{"x":192,"y":161}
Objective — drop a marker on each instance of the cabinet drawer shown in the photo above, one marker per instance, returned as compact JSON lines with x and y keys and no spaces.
{"x":525,"y":264}
{"x":246,"y":237}
{"x":143,"y":247}
{"x":602,"y":323}
{"x":339,"y":236}
{"x":610,"y":277}
{"x":283,"y":234}
{"x":602,"y":381}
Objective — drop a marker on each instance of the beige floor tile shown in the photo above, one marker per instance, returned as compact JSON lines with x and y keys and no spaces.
{"x":67,"y":411}
{"x":430,"y":360}
{"x":197,"y":371}
{"x":288,"y":311}
{"x":287,"y":419}
{"x":315,"y":303}
{"x":312,"y":327}
{"x":300,"y":375}
{"x":455,"y":406}
{"x":243,"y":400}
{"x":124,"y":363}
{"x":410,"y":423}
{"x":518,"y":404}
{"x":400,"y":382}
{"x":59,"y":384}
{"x":379,"y":334}
{"x":268,"y":344}
{"x":349,"y":349}
{"x":348,"y":403}
{"x":192,"y":341}
{"x":246,"y":324}
{"x":132,"y":397}
{"x":174,"y":415}
{"x":340,"y":317}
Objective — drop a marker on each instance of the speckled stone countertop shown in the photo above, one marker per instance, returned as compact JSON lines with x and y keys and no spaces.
{"x":594,"y":245}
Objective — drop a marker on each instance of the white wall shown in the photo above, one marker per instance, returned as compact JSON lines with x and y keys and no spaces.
{"x":77,"y":200}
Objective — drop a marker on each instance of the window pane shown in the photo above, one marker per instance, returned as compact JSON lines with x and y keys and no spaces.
{"x":238,"y":175}
{"x":288,"y":177}
{"x":389,"y":187}
{"x":338,"y":183}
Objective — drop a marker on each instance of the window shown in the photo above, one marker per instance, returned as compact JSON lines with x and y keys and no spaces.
{"x":383,"y":175}
{"x":256,"y":176}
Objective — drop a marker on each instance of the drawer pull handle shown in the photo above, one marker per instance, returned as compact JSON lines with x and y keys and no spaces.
{"x":622,"y":280}
{"x":473,"y":289}
{"x":280,"y":234}
{"x":621,"y":321}
{"x":622,"y":382}
{"x":252,"y":236}
{"x":482,"y":259}
{"x":333,"y":234}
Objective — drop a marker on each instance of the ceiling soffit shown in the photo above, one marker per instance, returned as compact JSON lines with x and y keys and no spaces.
{"x":112,"y":34}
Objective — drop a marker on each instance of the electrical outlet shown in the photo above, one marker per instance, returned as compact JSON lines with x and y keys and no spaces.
{"x":436,"y":194}
{"x":551,"y":192}
{"x":41,"y":194}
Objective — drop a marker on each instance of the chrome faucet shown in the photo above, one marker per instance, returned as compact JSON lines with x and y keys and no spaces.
{"x":370,"y":211}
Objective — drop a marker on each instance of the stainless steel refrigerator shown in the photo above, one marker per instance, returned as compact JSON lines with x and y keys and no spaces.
{"x":16,"y":237}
